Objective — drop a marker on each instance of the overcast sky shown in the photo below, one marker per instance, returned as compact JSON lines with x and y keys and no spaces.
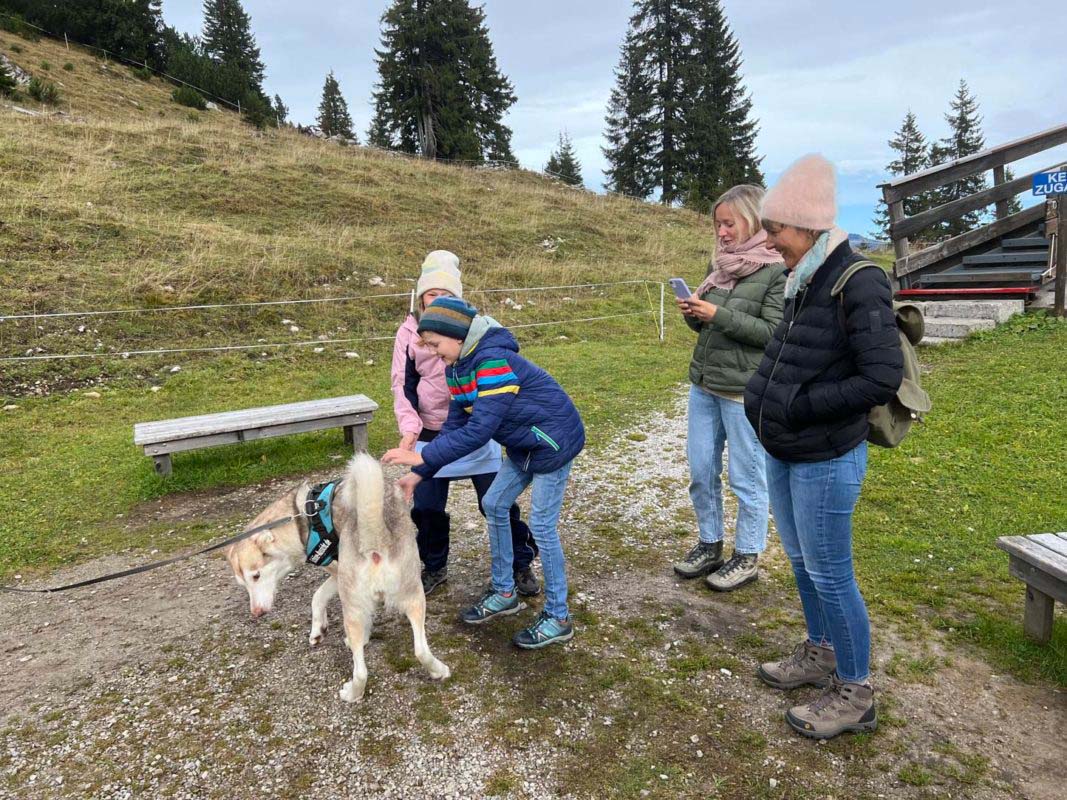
{"x":833,"y":76}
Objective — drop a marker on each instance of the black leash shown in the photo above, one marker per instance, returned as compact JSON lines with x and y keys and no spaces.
{"x":156,"y":564}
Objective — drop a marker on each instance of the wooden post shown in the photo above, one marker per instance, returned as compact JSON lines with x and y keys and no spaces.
{"x":901,"y":247}
{"x":1061,"y":255}
{"x":999,"y":178}
{"x":1037,"y":615}
{"x":67,"y":43}
{"x":356,"y":437}
{"x":662,"y":330}
{"x":163,"y":465}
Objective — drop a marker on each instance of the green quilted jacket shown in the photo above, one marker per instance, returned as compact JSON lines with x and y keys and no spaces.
{"x":729,"y":348}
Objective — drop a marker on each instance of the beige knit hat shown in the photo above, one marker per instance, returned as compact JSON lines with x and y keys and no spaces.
{"x":803,"y":196}
{"x":440,"y":270}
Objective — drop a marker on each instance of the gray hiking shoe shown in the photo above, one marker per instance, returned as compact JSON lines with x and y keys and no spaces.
{"x":701,"y":560}
{"x":809,"y":664}
{"x":431,"y":580}
{"x":742,"y":568}
{"x":842,"y":707}
{"x":526,"y":582}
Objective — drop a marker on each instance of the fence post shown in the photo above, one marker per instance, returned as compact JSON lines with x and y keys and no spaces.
{"x":1061,"y":256}
{"x":67,"y":43}
{"x":662,"y":332}
{"x":411,"y":306}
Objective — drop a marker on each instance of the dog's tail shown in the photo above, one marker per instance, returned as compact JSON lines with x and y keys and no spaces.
{"x":364,"y":491}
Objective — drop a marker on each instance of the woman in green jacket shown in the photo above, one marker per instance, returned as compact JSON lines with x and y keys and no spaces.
{"x":734,"y":312}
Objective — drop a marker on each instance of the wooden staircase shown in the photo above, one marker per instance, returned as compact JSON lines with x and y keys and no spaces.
{"x":1010,"y":257}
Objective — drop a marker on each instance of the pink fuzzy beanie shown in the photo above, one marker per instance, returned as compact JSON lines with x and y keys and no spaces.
{"x":803,"y":196}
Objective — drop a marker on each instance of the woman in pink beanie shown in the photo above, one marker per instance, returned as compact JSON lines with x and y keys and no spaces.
{"x":830,"y":361}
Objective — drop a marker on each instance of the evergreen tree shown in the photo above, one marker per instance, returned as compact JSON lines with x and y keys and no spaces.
{"x":8,"y":87}
{"x":678,"y":119}
{"x":719,"y":136}
{"x":334,"y":119}
{"x":564,"y":164}
{"x":965,"y":138}
{"x":281,"y":111}
{"x":440,"y":92}
{"x":912,"y":155}
{"x":631,"y":127}
{"x":229,"y":41}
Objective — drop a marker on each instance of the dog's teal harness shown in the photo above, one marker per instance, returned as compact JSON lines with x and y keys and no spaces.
{"x":321,"y":548}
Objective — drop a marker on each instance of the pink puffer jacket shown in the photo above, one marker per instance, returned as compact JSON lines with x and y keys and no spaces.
{"x":420,"y":395}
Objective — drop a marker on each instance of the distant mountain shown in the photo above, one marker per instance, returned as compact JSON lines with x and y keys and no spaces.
{"x":860,"y":242}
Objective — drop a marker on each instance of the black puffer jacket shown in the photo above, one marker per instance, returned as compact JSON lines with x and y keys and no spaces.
{"x":828,"y":364}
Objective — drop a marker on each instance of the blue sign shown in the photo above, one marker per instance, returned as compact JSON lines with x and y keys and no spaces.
{"x":1049,"y":183}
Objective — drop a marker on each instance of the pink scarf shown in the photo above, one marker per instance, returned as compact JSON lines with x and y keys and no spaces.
{"x":737,"y":261}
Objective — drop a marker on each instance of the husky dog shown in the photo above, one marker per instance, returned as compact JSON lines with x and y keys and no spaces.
{"x":377,"y":560}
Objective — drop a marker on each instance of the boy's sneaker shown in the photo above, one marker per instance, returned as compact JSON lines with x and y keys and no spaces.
{"x":492,"y":604}
{"x":431,"y":580}
{"x":546,"y":630}
{"x":704,"y":558}
{"x":526,"y":582}
{"x":809,"y":664}
{"x":842,"y":707}
{"x":742,"y":568}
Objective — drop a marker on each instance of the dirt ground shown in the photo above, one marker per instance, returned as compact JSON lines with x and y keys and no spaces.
{"x":162,"y":685}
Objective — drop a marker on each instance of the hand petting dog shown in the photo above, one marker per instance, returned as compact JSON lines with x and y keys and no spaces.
{"x":408,"y":458}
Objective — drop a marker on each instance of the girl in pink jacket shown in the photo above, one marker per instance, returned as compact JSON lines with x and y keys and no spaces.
{"x":420,"y":402}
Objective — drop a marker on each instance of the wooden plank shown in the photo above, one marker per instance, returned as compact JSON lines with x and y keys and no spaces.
{"x":965,"y":241}
{"x":999,"y":179}
{"x":207,"y":424}
{"x":919,"y":182}
{"x":1032,"y":576}
{"x":1052,"y":541}
{"x":253,"y":434}
{"x":1037,"y":615}
{"x":972,"y":202}
{"x":1035,"y":555}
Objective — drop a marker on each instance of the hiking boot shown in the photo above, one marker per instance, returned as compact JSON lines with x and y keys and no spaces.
{"x":742,"y":568}
{"x":546,"y":630}
{"x":526,"y":582}
{"x":431,"y":580}
{"x":809,"y":664}
{"x":704,"y":558}
{"x":491,"y":605}
{"x":842,"y":707}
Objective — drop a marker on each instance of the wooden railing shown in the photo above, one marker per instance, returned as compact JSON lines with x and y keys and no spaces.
{"x":996,"y":159}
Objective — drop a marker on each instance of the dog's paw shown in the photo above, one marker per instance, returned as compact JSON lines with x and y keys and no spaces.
{"x":439,"y":671}
{"x":350,"y":694}
{"x":316,"y":637}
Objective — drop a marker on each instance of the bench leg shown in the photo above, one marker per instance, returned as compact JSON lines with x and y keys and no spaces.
{"x":163,"y":465}
{"x":1037,"y":618}
{"x":356,"y":437}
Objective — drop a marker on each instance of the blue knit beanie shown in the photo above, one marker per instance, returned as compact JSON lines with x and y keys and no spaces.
{"x":448,"y":316}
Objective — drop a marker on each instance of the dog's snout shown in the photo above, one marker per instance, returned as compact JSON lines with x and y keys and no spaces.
{"x":259,"y":611}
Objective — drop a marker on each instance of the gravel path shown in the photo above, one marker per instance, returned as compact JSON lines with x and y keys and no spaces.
{"x":163,"y":686}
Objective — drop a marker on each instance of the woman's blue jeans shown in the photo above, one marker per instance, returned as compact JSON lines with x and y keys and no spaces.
{"x":714,"y":421}
{"x":812,"y":505}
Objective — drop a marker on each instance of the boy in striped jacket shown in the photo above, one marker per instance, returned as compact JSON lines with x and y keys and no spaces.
{"x":497,"y":394}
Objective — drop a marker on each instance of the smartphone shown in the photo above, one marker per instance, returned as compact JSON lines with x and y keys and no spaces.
{"x":681,"y":290}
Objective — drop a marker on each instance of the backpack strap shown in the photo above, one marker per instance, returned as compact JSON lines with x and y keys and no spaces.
{"x":851,"y":270}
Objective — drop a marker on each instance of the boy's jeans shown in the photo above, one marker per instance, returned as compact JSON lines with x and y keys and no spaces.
{"x":813,"y":505}
{"x":546,"y":500}
{"x":712,"y":422}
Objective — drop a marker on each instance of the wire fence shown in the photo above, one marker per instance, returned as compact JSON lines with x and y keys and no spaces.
{"x":658,"y":317}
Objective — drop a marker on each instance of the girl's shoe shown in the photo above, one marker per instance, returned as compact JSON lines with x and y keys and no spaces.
{"x":491,"y":605}
{"x":526,"y":582}
{"x":741,"y":569}
{"x":545,"y":631}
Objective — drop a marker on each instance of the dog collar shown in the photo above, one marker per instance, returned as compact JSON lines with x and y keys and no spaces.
{"x":321,"y":547}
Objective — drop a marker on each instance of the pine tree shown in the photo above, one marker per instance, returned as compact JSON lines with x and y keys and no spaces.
{"x":631,"y":129}
{"x":8,"y":86}
{"x":440,"y":92}
{"x":563,"y":163}
{"x":1014,"y":206}
{"x":678,"y":119}
{"x":378,"y":134}
{"x":912,"y":156}
{"x":965,"y":138}
{"x":334,"y":119}
{"x":281,"y":111}
{"x":229,"y":41}
{"x":719,"y":136}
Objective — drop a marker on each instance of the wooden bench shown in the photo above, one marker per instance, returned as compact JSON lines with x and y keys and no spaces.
{"x":1040,"y":560}
{"x":164,"y":437}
